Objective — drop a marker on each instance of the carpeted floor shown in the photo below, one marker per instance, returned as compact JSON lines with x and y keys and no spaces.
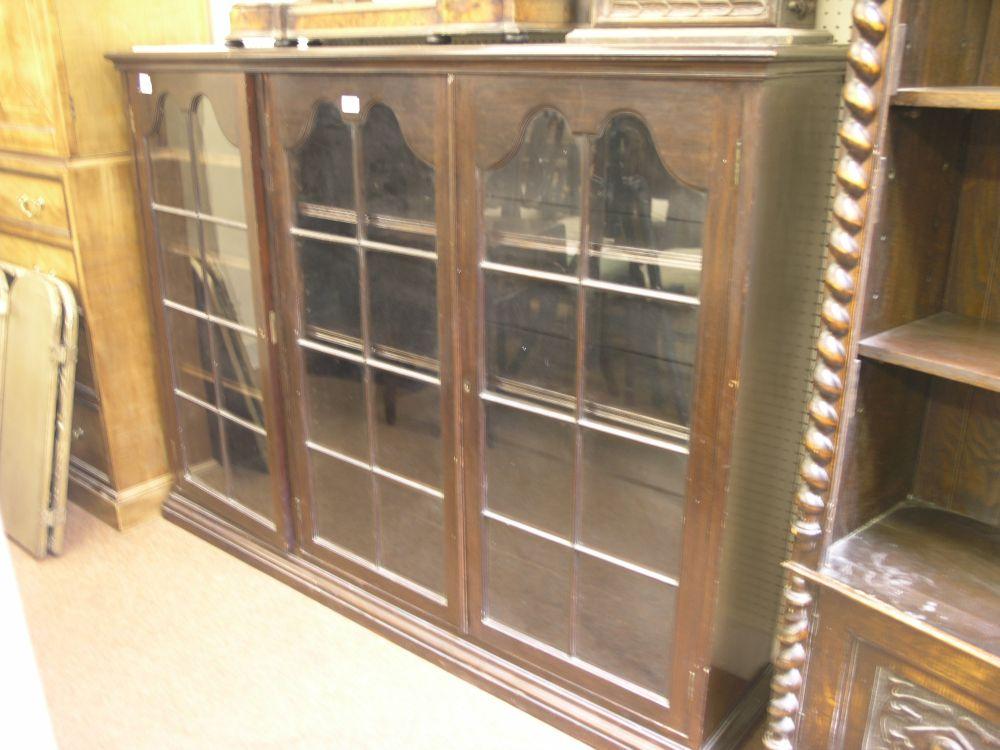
{"x":155,"y":639}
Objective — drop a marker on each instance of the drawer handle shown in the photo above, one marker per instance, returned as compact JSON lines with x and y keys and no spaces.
{"x":77,"y":433}
{"x":30,"y":207}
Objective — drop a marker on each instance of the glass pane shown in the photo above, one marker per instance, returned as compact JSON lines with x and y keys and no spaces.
{"x":191,"y":355}
{"x":633,"y":501}
{"x":404,"y":309}
{"x":532,"y":211}
{"x":529,"y":468}
{"x":238,"y":356}
{"x":625,"y":623}
{"x":248,"y":468}
{"x":335,"y":404}
{"x":220,"y":174}
{"x":201,"y":444}
{"x":231,"y":283}
{"x":324,"y":175}
{"x":170,"y":157}
{"x":342,"y":504}
{"x":399,"y":187}
{"x":332,"y":304}
{"x":531,"y":338}
{"x":412,"y":534}
{"x":645,"y":226}
{"x":408,"y":428}
{"x":181,"y":255}
{"x":528,"y":584}
{"x":640,"y":359}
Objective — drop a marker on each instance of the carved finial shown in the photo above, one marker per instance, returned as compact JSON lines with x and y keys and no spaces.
{"x":862,"y":98}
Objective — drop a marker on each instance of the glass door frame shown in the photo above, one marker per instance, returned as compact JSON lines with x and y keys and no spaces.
{"x":290,"y":105}
{"x":508,"y":103}
{"x":230,"y":93}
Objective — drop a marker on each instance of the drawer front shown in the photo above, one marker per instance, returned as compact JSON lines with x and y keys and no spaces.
{"x":88,"y":443}
{"x":34,"y":202}
{"x":38,"y":255}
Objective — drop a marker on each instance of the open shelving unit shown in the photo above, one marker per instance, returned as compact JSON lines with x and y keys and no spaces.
{"x":891,"y":628}
{"x":918,"y":507}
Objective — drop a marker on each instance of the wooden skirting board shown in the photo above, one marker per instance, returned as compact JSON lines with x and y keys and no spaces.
{"x":122,"y":510}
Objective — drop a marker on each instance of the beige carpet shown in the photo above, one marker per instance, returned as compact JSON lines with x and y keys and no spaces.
{"x":155,"y":639}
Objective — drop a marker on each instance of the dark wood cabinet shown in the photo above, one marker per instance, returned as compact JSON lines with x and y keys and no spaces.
{"x":499,"y":334}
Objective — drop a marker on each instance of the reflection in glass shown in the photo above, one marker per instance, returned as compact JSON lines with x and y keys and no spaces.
{"x":201,"y":445}
{"x":399,"y":187}
{"x":640,"y":359}
{"x":404,"y":309}
{"x":528,"y":582}
{"x":324,"y":175}
{"x":335,"y":404}
{"x":531,"y":338}
{"x":342,"y":504}
{"x":170,"y":157}
{"x":625,"y":623}
{"x":250,"y":476}
{"x":231,"y":291}
{"x":181,"y":256}
{"x":191,"y":355}
{"x":632,"y":501}
{"x":408,"y":428}
{"x":332,"y":302}
{"x":646,"y":227}
{"x":238,"y":355}
{"x":529,"y":468}
{"x":532,"y":210}
{"x":412,"y":528}
{"x":220,"y":177}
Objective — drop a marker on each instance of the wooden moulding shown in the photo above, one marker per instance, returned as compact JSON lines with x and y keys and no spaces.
{"x":122,"y":510}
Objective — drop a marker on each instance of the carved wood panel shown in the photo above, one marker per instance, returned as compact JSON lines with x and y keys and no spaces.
{"x":905,"y":716}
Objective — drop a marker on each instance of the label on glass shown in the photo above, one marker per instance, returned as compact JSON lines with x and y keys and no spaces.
{"x":350,"y":105}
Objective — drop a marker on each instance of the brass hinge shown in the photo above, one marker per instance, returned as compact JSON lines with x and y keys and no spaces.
{"x":691,"y":677}
{"x":738,"y":162}
{"x":297,"y":502}
{"x":272,"y":322}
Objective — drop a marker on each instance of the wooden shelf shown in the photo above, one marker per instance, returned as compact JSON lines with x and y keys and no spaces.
{"x":945,"y":345}
{"x":937,"y":566}
{"x":951,"y":97}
